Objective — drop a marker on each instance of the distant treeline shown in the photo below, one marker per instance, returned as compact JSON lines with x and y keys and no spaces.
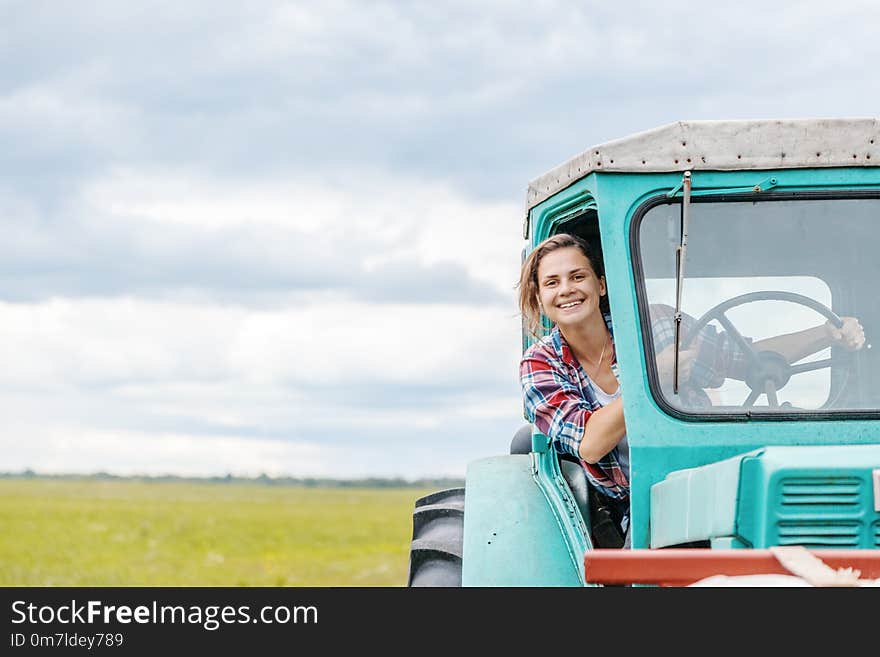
{"x":315,"y":482}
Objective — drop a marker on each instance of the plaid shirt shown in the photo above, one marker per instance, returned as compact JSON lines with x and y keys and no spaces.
{"x":718,"y":357}
{"x":559,"y":400}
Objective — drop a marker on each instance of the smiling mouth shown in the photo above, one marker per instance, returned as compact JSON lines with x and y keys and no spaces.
{"x":571,"y":304}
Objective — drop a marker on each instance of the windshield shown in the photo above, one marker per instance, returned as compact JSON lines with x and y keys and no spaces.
{"x":779,"y":303}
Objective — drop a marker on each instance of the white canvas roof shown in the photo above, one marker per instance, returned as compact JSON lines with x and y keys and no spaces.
{"x":723,"y":145}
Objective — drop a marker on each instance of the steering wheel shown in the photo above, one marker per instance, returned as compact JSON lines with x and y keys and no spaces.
{"x":768,"y":371}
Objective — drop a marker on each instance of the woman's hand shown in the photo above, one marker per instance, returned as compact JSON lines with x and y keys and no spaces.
{"x":850,"y":336}
{"x":666,"y":363}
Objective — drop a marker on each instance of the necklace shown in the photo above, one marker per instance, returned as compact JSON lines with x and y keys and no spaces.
{"x":601,"y":356}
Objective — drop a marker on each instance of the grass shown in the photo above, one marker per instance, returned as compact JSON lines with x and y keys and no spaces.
{"x":135,"y":533}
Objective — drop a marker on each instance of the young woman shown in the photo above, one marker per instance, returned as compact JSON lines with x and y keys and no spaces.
{"x":569,"y":377}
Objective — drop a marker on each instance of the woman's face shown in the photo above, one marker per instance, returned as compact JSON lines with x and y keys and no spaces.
{"x":568,"y":288}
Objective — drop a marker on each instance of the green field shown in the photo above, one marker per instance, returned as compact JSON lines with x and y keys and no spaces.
{"x":56,"y":532}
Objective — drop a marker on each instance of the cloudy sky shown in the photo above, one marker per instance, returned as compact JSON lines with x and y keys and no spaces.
{"x":282,"y":237}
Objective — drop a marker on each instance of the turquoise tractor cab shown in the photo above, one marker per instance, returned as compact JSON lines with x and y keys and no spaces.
{"x":751,"y":228}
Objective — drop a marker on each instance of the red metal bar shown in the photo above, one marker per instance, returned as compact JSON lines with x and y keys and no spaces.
{"x":680,"y":567}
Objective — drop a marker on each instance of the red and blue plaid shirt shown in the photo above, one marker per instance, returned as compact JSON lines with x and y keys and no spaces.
{"x":718,"y":355}
{"x":559,"y":400}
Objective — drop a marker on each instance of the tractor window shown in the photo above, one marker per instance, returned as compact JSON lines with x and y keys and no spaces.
{"x":758,"y":320}
{"x":765,"y":286}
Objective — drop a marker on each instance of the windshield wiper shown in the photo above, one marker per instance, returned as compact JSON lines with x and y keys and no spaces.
{"x":679,"y":272}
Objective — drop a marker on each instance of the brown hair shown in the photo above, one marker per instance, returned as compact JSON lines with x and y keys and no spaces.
{"x":528,"y":277}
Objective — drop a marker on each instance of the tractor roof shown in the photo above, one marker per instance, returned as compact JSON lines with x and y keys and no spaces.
{"x":723,"y":145}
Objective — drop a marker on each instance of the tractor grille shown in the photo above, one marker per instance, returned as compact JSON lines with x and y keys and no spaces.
{"x":819,"y":534}
{"x":815,"y":492}
{"x":877,"y":534}
{"x":820,"y":512}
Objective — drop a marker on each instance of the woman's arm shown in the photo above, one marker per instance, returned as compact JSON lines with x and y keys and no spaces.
{"x":603,"y":430}
{"x":794,"y":346}
{"x":556,"y":406}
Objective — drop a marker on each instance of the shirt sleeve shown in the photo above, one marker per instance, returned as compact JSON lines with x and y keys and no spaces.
{"x":718,"y":357}
{"x":553,"y":403}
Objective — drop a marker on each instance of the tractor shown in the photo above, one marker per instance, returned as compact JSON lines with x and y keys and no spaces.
{"x":757,"y":228}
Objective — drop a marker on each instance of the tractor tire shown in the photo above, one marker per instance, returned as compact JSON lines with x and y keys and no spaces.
{"x":437,"y":540}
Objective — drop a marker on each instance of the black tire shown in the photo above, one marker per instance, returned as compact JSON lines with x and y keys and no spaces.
{"x":438,"y":530}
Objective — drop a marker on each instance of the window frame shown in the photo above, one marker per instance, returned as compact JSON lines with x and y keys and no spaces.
{"x":647,"y":339}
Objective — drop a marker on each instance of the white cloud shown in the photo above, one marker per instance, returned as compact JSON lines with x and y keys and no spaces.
{"x":370,"y":219}
{"x":72,"y":449}
{"x":113,"y":341}
{"x":181,"y":197}
{"x":129,"y":385}
{"x":126,"y":375}
{"x":65,"y":113}
{"x":232,"y":221}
